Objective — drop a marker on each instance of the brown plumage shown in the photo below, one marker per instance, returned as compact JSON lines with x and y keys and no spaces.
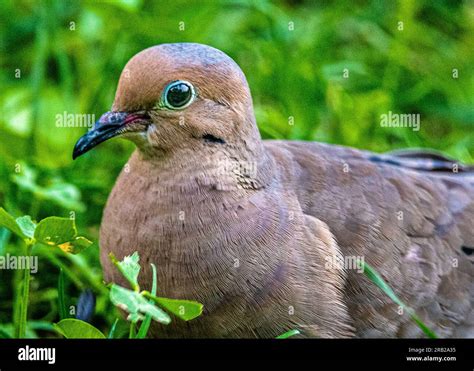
{"x":250,"y":227}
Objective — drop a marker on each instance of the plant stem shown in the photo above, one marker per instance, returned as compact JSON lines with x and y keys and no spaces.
{"x":131,"y":334}
{"x":23,"y":318}
{"x":18,"y":284}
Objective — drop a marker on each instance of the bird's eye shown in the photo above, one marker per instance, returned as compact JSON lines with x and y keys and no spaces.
{"x":178,"y":95}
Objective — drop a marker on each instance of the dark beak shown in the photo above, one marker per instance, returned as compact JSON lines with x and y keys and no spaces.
{"x":109,"y":125}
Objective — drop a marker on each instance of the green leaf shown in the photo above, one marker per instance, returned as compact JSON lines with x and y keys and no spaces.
{"x":134,"y":318}
{"x":76,"y":329}
{"x":288,"y":334}
{"x":136,"y":305}
{"x":26,"y":225}
{"x":55,"y":231}
{"x":143,"y":331}
{"x":372,"y":274}
{"x":62,"y":233}
{"x":80,"y":243}
{"x":129,"y":268}
{"x":57,"y":191}
{"x":26,"y":180}
{"x":4,"y":237}
{"x":7,"y":221}
{"x":64,"y":194}
{"x":75,"y":246}
{"x":183,"y":309}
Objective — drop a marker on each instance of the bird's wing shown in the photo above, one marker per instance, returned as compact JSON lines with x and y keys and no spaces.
{"x":422,"y":160}
{"x":412,"y":224}
{"x":325,"y":313}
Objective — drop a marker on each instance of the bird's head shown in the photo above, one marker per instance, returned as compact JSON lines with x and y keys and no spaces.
{"x":174,"y":96}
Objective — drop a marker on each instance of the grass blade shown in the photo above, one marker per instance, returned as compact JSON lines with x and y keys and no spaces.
{"x":61,"y":296}
{"x":142,"y":332}
{"x":113,"y":329}
{"x":288,"y":334}
{"x":372,"y":275}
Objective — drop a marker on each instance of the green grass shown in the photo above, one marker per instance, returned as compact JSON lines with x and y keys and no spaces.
{"x":372,"y":275}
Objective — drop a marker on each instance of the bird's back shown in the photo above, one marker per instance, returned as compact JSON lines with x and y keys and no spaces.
{"x":409,"y":215}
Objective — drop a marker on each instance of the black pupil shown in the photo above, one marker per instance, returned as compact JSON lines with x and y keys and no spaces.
{"x":178,"y":95}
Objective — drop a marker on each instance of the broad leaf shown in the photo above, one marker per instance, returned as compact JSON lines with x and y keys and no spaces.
{"x":136,"y":305}
{"x":9,"y":222}
{"x":129,"y":268}
{"x":76,"y":329}
{"x":60,"y":232}
{"x":75,"y":246}
{"x":26,"y":225}
{"x":65,"y":195}
{"x":183,"y":309}
{"x":55,"y":231}
{"x":57,"y":191}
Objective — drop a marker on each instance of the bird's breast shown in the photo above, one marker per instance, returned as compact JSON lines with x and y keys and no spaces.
{"x":206,"y":244}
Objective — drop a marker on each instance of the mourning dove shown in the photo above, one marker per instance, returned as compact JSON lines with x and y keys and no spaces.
{"x":267,"y":234}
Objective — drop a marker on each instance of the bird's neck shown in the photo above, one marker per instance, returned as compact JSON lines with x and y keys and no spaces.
{"x":207,"y":170}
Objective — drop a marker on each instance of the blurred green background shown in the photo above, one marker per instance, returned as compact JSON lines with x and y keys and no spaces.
{"x":56,"y":56}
